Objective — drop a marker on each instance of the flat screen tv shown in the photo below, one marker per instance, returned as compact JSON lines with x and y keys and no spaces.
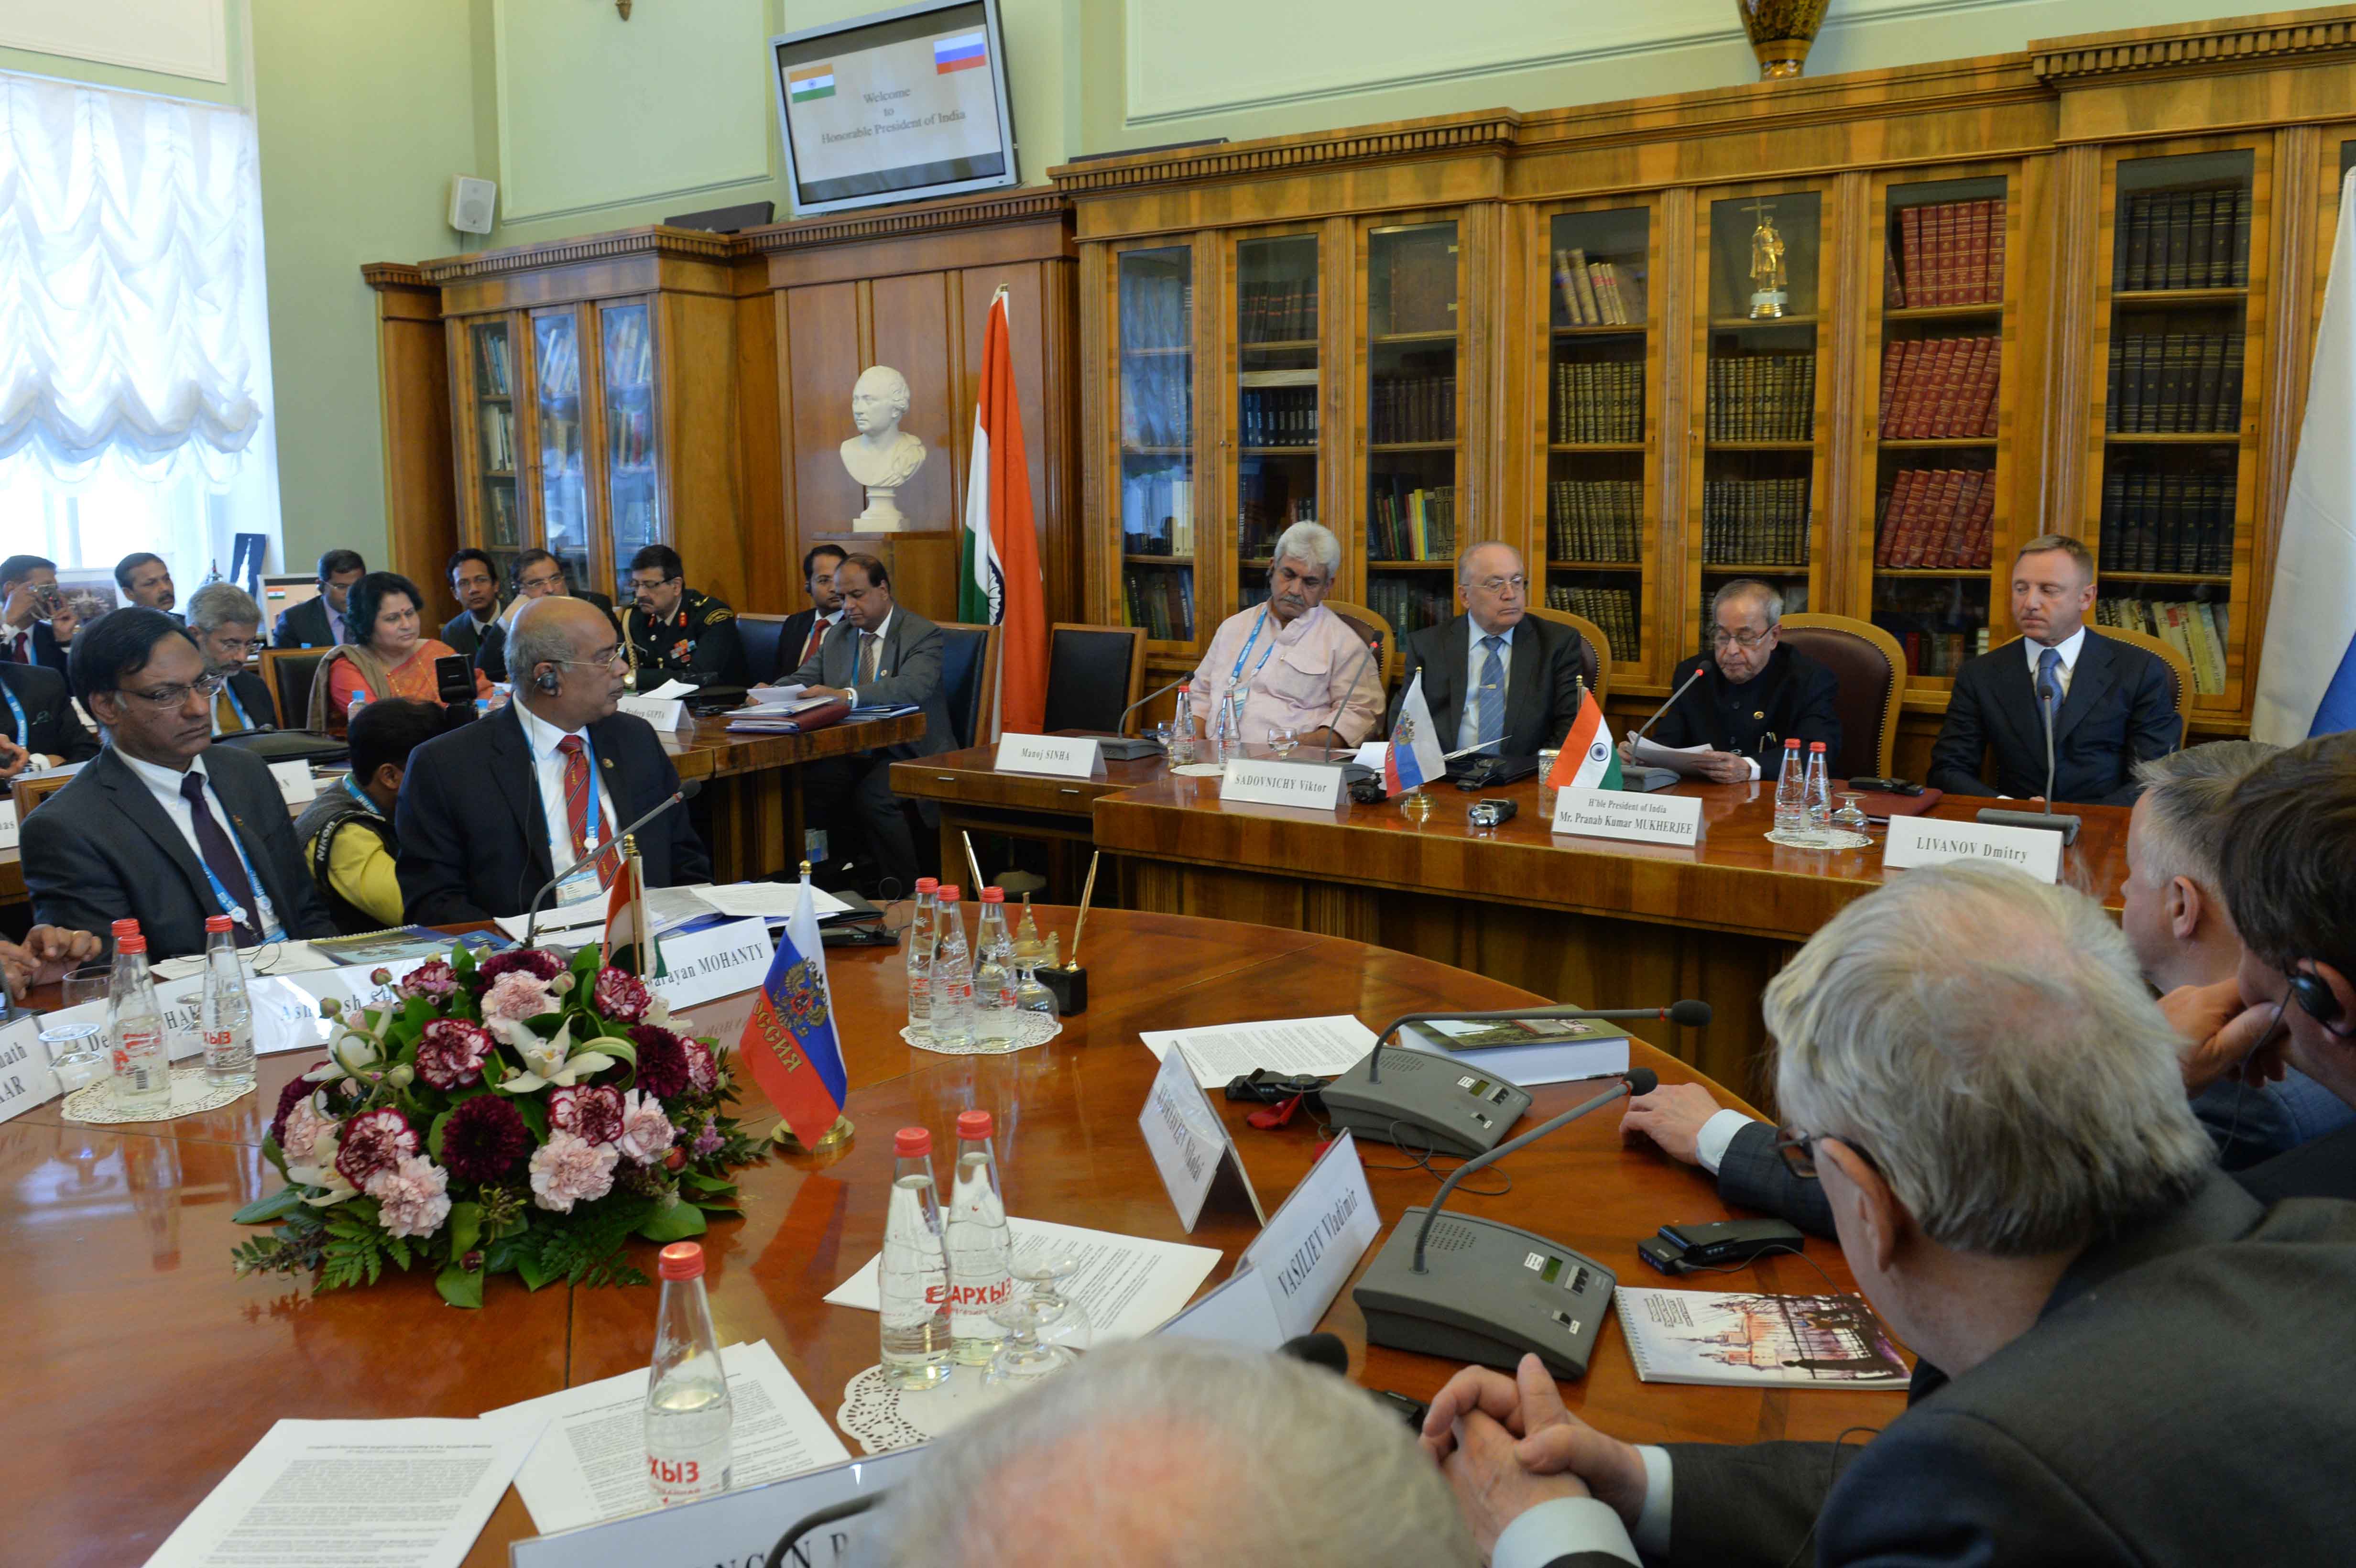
{"x":898,"y":106}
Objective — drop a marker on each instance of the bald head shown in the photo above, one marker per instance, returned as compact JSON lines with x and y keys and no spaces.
{"x":560,"y":656}
{"x":1496,"y":591}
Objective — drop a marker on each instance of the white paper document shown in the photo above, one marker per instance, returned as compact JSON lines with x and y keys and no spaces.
{"x":1319,"y":1048}
{"x":766,"y":694}
{"x":1682,"y":761}
{"x":770,"y":900}
{"x":355,"y":1494}
{"x":1130,"y":1284}
{"x":292,"y":957}
{"x":591,"y":1462}
{"x":668,"y":908}
{"x":667,"y":690}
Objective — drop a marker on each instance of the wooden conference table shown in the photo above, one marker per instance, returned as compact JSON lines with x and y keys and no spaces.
{"x":139,"y":1351}
{"x":1594,"y":920}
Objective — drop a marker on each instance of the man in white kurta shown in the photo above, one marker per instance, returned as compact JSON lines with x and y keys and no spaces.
{"x":1296,"y":662}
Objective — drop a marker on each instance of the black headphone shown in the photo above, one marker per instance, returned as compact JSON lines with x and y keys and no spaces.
{"x":547,"y":680}
{"x":2315,"y":998}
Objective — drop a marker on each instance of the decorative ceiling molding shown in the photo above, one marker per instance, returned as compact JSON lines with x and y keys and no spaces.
{"x":2255,"y":41}
{"x":1488,"y":130}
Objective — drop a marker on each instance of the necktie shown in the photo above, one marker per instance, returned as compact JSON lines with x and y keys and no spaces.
{"x":577,"y":785}
{"x":871,"y":648}
{"x":20,"y":647}
{"x":1491,"y":705}
{"x":2048,"y":679}
{"x":818,"y":629}
{"x":221,"y":859}
{"x":225,"y":719}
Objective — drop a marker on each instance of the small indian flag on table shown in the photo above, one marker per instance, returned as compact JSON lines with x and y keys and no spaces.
{"x":1587,"y":760}
{"x":961,"y":51}
{"x":810,"y":84}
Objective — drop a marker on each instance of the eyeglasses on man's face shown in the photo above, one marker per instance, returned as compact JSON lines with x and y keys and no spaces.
{"x":547,"y":582}
{"x":1746,"y":638}
{"x":169,"y":697}
{"x":1799,"y":1152}
{"x":615,"y":657}
{"x":1499,"y":585}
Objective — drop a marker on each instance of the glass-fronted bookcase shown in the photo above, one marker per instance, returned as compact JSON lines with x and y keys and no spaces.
{"x":1155,"y":391}
{"x":1412,"y":397}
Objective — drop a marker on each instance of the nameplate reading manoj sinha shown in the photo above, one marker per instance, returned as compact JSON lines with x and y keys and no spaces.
{"x":1059,"y":756}
{"x":1315,"y":786}
{"x":1630,"y":814}
{"x":1927,"y":841}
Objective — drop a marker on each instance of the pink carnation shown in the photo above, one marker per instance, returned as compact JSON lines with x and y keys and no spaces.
{"x":647,"y":1133}
{"x":373,"y":1141}
{"x":620,"y":996}
{"x":517,"y":995}
{"x":433,"y":979}
{"x":304,"y":1126}
{"x":412,"y":1196}
{"x":451,"y":1052}
{"x":702,"y":1072}
{"x":568,"y":1170}
{"x":594,"y":1114}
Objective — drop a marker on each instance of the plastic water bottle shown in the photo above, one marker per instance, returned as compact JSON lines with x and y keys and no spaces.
{"x":360,"y":700}
{"x":922,"y":933}
{"x":228,"y":1017}
{"x":1819,"y":795}
{"x":981,"y":1256}
{"x":952,"y":1017}
{"x":136,"y":1048}
{"x":915,"y":1275}
{"x":1182,"y":728}
{"x":1791,"y":791}
{"x":688,"y":1453}
{"x":993,"y":974}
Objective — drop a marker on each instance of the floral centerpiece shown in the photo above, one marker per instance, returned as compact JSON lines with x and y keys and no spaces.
{"x":520,"y":1115}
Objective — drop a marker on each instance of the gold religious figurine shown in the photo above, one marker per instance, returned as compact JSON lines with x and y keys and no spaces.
{"x":1771,"y":292}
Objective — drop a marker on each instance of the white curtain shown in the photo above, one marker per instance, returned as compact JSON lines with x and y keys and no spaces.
{"x":135,"y":350}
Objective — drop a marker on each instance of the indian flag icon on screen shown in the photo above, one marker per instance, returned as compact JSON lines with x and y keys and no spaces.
{"x":810,"y":84}
{"x":961,"y":52}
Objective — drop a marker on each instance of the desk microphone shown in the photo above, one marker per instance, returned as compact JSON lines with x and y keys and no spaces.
{"x":2067,"y":823}
{"x":1120,"y":747}
{"x":533,"y":924}
{"x":1498,"y":1292}
{"x":1650,"y":779}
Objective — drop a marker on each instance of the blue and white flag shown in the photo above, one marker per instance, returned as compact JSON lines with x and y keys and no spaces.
{"x":2306,"y":679}
{"x":1415,"y":758}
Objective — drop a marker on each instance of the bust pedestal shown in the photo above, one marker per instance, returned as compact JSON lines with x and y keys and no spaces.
{"x":883,"y":515}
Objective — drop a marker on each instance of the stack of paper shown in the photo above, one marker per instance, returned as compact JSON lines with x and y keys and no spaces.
{"x":1316,"y":1048}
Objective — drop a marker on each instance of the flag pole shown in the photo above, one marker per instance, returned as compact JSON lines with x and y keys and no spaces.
{"x":632,"y":869}
{"x":838,"y":1136}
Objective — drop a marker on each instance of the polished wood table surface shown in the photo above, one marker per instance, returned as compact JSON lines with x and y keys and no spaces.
{"x":973,"y":796}
{"x":133,"y":1337}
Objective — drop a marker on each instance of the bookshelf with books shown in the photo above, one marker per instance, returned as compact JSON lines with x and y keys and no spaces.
{"x":487,"y":438}
{"x":1411,"y":530}
{"x":1278,"y":329}
{"x":1154,"y":313}
{"x":1600,"y":383}
{"x":558,"y":412}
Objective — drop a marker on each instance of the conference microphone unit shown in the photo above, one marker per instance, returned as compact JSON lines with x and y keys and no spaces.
{"x":2067,"y":823}
{"x":1469,"y":1289}
{"x":1420,"y":1099}
{"x":532,"y":924}
{"x":1651,"y":779}
{"x":1120,"y":748}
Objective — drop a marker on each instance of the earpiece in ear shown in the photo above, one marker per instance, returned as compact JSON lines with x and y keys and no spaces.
{"x":547,"y":681}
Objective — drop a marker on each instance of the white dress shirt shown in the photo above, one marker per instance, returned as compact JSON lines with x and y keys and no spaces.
{"x":164,"y":786}
{"x":547,"y":768}
{"x":857,"y":652}
{"x":2069,"y":647}
{"x":16,"y":643}
{"x":1468,"y":727}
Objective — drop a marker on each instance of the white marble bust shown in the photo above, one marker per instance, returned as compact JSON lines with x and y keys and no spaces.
{"x":882,"y":456}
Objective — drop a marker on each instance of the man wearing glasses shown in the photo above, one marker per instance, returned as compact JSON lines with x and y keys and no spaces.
{"x":164,"y":827}
{"x":1754,"y":693}
{"x":489,"y":813}
{"x":1496,"y":678}
{"x":227,"y":625}
{"x":679,"y":633}
{"x":536,"y":575}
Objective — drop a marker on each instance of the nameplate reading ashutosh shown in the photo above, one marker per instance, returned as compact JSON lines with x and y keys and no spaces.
{"x":1625,"y":813}
{"x":1316,"y":785}
{"x":1060,"y":756}
{"x":1927,"y":841}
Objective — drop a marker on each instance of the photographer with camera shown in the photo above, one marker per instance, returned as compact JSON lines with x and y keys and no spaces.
{"x":37,"y":626}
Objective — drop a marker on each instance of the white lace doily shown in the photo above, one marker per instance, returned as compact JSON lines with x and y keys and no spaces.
{"x":1030,"y":1029}
{"x":94,"y":1103}
{"x":884,"y":1418}
{"x":1200,"y":769}
{"x":1831,"y":838}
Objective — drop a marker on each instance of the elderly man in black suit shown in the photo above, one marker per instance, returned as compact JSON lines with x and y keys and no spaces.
{"x":165,"y":828}
{"x":1754,"y":694}
{"x":319,"y":623}
{"x":227,"y":625}
{"x":1993,"y":1104}
{"x":36,"y":625}
{"x":1495,"y":674}
{"x":2109,"y":701}
{"x":491,"y":811}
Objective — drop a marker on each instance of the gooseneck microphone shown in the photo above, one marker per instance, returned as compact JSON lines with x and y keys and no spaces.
{"x":2066,"y":824}
{"x":1700,"y":670}
{"x":533,"y":924}
{"x":1123,"y":747}
{"x":1634,"y":1082}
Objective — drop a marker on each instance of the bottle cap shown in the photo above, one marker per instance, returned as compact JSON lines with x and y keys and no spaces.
{"x":123,"y":928}
{"x":949,"y":895}
{"x":680,"y":1260}
{"x":135,"y":943}
{"x":910,"y":1142}
{"x":973,"y":1124}
{"x":1815,"y":745}
{"x":1793,"y":744}
{"x":994,"y":895}
{"x":928,"y":884}
{"x":215,"y":924}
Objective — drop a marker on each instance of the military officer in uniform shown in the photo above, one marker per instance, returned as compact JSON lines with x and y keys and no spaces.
{"x":1755,"y":694}
{"x":678,"y":633}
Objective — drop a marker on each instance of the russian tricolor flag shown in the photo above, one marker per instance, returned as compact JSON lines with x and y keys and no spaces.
{"x":961,"y":52}
{"x":788,"y":1043}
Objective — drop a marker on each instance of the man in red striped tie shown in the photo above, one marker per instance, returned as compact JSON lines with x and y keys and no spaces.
{"x":805,"y":629}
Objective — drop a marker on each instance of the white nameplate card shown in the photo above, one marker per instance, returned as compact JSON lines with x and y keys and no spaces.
{"x":1316,"y":786}
{"x":1242,"y":1312}
{"x":1629,"y":814}
{"x":25,"y":1080}
{"x":1190,"y":1144}
{"x":1927,"y":841}
{"x":7,"y":824}
{"x":294,"y":782}
{"x":1059,"y":756}
{"x":719,"y":962}
{"x":662,"y":712}
{"x":1315,"y":1238}
{"x":718,"y":1530}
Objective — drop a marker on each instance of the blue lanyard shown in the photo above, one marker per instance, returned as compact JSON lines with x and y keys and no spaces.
{"x":265,"y":919}
{"x":23,"y":725}
{"x":1236,"y":676}
{"x":364,"y":802}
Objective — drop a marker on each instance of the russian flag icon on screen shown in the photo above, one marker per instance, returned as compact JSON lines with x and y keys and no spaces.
{"x":810,"y":83}
{"x":961,"y":51}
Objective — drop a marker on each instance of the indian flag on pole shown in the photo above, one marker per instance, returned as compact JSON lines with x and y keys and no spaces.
{"x":1587,"y":760}
{"x":810,"y":83}
{"x":999,"y":582}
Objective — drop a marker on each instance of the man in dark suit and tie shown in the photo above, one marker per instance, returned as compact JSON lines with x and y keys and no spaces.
{"x":1754,"y":692}
{"x":475,"y":578}
{"x":164,"y":827}
{"x":227,"y":625}
{"x":880,"y":655}
{"x":804,"y":630}
{"x":36,"y":625}
{"x":2110,"y":702}
{"x":1496,"y":673}
{"x":319,"y":623}
{"x":535,"y":574}
{"x":2124,"y":1358}
{"x":492,"y":810}
{"x":40,"y":729}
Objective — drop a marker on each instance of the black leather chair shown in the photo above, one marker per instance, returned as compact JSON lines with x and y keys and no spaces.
{"x":1093,"y":675}
{"x":968,"y":679}
{"x":762,"y":637}
{"x":288,"y":673}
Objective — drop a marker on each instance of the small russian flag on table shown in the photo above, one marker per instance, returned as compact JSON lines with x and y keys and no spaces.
{"x":788,"y":1043}
{"x":961,"y":51}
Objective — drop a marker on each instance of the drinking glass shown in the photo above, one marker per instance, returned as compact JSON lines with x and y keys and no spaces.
{"x":1283,"y":739}
{"x":1851,"y":815}
{"x":1045,"y":1327}
{"x":88,"y":984}
{"x":77,"y":1053}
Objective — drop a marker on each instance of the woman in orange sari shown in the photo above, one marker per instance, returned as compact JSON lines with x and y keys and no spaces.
{"x":396,"y":659}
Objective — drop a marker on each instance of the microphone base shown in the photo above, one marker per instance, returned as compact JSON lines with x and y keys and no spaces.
{"x":1126,"y":748}
{"x":2062,"y":823}
{"x":1425,"y":1102}
{"x":1489,"y":1292}
{"x":1648,"y":780}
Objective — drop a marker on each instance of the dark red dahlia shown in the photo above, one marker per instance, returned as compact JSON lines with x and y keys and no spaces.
{"x":620,"y":996}
{"x":663,"y":1070}
{"x":484,"y":1140}
{"x":287,"y":1097}
{"x":433,"y":979}
{"x":373,"y":1141}
{"x":451,"y":1052}
{"x":531,"y":960}
{"x":593,"y":1112}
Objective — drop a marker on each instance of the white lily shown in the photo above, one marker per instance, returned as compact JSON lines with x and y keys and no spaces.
{"x":351,"y":1053}
{"x":322,"y":1172}
{"x":548,"y":1064}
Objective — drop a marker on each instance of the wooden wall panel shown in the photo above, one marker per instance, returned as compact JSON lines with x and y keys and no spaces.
{"x":421,"y":497}
{"x":912,"y":332}
{"x":772,"y":571}
{"x":699,"y":409}
{"x":821,"y":362}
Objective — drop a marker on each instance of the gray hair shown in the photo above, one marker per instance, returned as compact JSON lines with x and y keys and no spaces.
{"x":1311,"y":542}
{"x":1986,"y":1039}
{"x":535,"y":640}
{"x":222,"y":603}
{"x":1464,"y":561}
{"x":1110,"y":1462}
{"x":1769,"y":597}
{"x":2183,"y":831}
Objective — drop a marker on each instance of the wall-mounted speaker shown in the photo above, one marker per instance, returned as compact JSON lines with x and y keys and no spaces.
{"x":472,"y":203}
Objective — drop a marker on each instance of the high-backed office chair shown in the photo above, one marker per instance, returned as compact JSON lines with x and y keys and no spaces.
{"x":2179,"y":670}
{"x":1869,"y":668}
{"x":1093,"y":675}
{"x":30,"y":793}
{"x":288,"y":673}
{"x":762,"y":637}
{"x":1594,"y":651}
{"x":968,"y":680}
{"x":1375,"y":629}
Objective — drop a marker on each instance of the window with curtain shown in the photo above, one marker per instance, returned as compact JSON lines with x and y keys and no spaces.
{"x":134,"y":343}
